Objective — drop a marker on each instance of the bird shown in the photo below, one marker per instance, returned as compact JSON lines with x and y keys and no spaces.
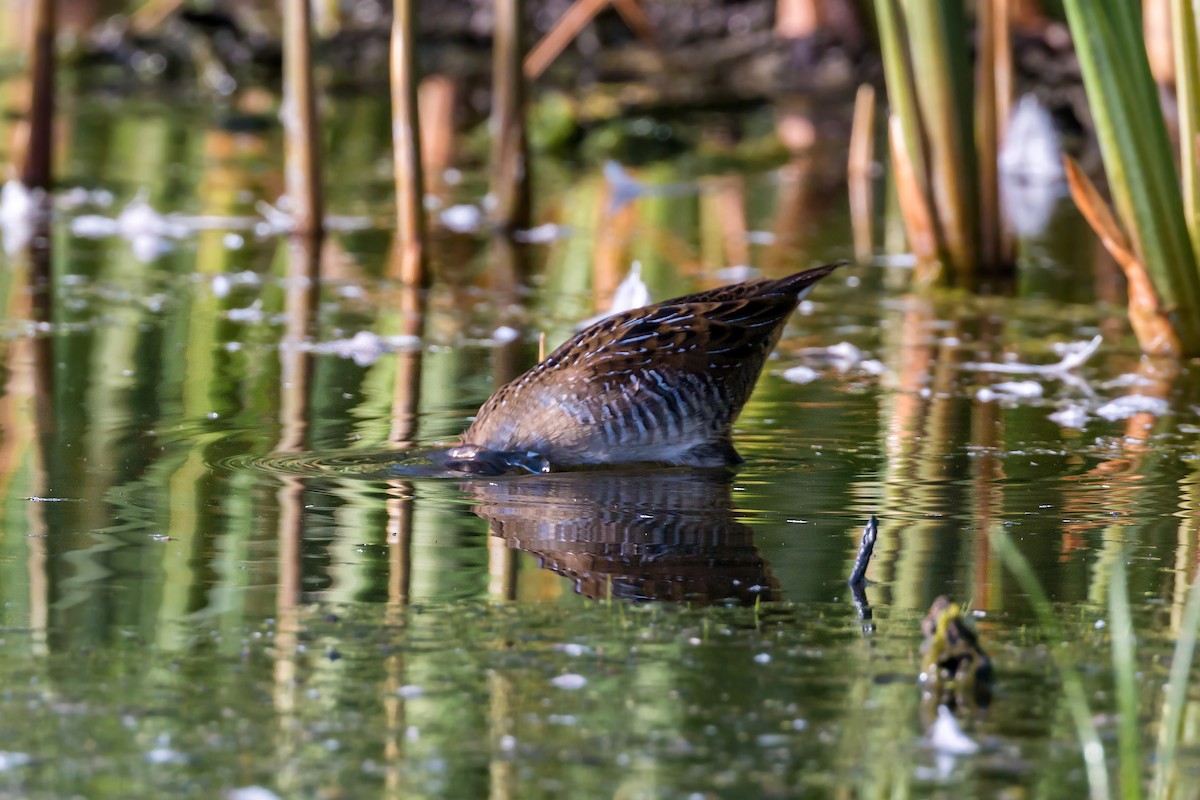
{"x":658,"y":384}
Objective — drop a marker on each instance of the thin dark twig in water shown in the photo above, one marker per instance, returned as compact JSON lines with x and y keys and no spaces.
{"x":858,"y":575}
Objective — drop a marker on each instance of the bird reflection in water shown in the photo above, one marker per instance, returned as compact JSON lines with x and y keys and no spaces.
{"x":635,"y":535}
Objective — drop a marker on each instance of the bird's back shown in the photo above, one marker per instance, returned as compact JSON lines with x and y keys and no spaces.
{"x":659,"y":383}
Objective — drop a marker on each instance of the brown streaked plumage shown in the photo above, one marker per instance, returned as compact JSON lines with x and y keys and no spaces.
{"x":662,"y":383}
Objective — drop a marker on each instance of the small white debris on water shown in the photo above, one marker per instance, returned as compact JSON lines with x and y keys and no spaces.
{"x":805,"y":308}
{"x":221,"y":284}
{"x":1126,"y":407}
{"x":18,"y":212}
{"x":632,"y":292}
{"x":1073,"y":358}
{"x":946,"y":736}
{"x":1071,"y":416}
{"x":252,"y":313}
{"x":251,"y":793}
{"x":871,"y":366}
{"x":737,"y":273}
{"x":762,"y":658}
{"x":504,"y":334}
{"x":12,"y":760}
{"x":507,"y":743}
{"x":844,"y":355}
{"x":569,"y":681}
{"x":462,"y":218}
{"x":1024,"y":389}
{"x":1100,"y":625}
{"x":410,"y":691}
{"x":573,"y":649}
{"x":1127,"y":381}
{"x":365,"y":347}
{"x":542,"y":234}
{"x":165,"y":755}
{"x":801,"y":374}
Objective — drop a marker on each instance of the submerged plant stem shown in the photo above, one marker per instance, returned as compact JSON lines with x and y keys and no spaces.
{"x":1175,"y":700}
{"x":1125,"y":668}
{"x":1064,"y":661}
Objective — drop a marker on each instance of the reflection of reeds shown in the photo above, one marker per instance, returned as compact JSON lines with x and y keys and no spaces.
{"x":300,"y":124}
{"x":36,"y":169}
{"x":406,"y":147}
{"x":295,"y":362}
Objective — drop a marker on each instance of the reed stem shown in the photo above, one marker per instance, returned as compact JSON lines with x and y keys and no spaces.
{"x":942,"y":71}
{"x":36,"y":169}
{"x":993,"y":99}
{"x":861,"y":159}
{"x":406,"y":147}
{"x":301,"y":127}
{"x":1187,"y":94}
{"x":510,"y":151}
{"x":1136,"y":151}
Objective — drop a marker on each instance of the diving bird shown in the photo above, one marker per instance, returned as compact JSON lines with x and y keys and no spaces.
{"x":663,"y":383}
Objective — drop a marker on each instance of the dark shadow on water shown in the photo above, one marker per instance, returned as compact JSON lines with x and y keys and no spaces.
{"x":635,"y":535}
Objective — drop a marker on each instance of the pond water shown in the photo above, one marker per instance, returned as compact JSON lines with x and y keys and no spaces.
{"x":217,"y":582}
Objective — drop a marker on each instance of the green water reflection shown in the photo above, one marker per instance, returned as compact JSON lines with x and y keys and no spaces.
{"x":211,"y":580}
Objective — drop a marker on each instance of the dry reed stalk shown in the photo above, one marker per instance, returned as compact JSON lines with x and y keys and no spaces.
{"x":614,"y":229}
{"x":1149,"y":320}
{"x":1158,"y":35}
{"x":152,"y":14}
{"x":858,"y":170}
{"x":510,"y":150}
{"x":918,"y":219}
{"x":37,"y":165}
{"x":328,"y":18}
{"x":943,"y":100}
{"x":731,"y":216}
{"x":436,"y":97}
{"x":793,"y":206}
{"x":1026,"y":15}
{"x":993,"y":99}
{"x":631,"y":12}
{"x":797,"y":19}
{"x":541,"y":346}
{"x":406,"y":150}
{"x":302,"y":171}
{"x":575,"y":19}
{"x":569,"y":25}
